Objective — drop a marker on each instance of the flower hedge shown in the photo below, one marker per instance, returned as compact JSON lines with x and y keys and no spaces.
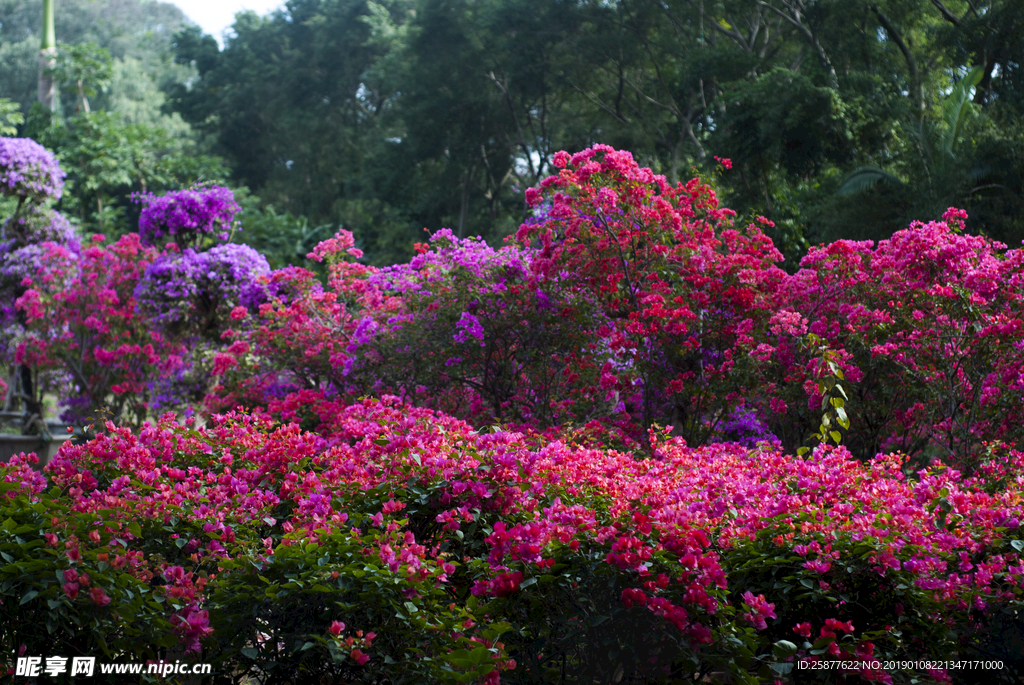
{"x":457,"y":555}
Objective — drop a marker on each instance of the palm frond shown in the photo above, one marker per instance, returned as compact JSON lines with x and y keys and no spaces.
{"x":955,"y":109}
{"x":980,"y":173}
{"x":866,"y":177}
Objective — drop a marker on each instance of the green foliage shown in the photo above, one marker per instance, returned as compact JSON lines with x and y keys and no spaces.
{"x":388,"y":117}
{"x":282,"y":238}
{"x":866,"y":177}
{"x":108,"y":160}
{"x":276,"y":609}
{"x":85,"y":67}
{"x":133,"y":29}
{"x":885,"y":595}
{"x":833,"y":395}
{"x":10,"y":117}
{"x":36,"y":610}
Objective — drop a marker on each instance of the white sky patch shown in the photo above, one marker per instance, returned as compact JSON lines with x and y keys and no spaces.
{"x":216,"y":16}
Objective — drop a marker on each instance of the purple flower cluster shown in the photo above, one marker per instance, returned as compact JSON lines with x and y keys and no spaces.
{"x":28,"y":171}
{"x":28,"y":263}
{"x":469,"y":327}
{"x":197,"y":290}
{"x":742,"y":425}
{"x":178,"y":388}
{"x":37,"y":227}
{"x":187,"y":215}
{"x":479,"y":260}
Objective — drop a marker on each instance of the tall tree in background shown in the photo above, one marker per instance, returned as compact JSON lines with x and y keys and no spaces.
{"x":47,"y":58}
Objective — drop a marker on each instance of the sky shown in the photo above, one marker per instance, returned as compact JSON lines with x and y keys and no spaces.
{"x":215,"y":16}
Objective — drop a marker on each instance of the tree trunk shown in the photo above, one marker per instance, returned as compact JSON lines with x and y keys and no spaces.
{"x":47,"y":59}
{"x":47,"y":88}
{"x":84,"y":106}
{"x":465,"y":202}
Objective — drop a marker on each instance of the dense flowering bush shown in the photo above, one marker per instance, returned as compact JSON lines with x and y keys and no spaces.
{"x":629,"y":302}
{"x":684,"y":293}
{"x":399,"y":542}
{"x":474,"y":332}
{"x":298,"y":334}
{"x":81,"y":317}
{"x":509,"y":509}
{"x":29,"y":172}
{"x":928,"y":333}
{"x":37,"y":228}
{"x":187,"y":216}
{"x":193,"y":293}
{"x":21,"y":252}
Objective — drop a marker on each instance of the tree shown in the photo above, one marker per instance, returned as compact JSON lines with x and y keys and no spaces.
{"x":47,"y":58}
{"x":86,"y":67}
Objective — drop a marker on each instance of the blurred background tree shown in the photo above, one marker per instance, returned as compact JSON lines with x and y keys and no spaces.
{"x":113,"y":129}
{"x":389,"y":116}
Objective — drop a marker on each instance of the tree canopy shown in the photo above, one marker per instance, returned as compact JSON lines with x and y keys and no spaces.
{"x":841,"y":118}
{"x":388,"y":117}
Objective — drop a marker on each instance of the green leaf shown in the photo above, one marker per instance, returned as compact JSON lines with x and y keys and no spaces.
{"x":783,"y":649}
{"x":955,"y":108}
{"x":171,"y":641}
{"x":459,"y":658}
{"x":29,"y":596}
{"x":783,"y":668}
{"x":823,"y":642}
{"x":1017,"y":545}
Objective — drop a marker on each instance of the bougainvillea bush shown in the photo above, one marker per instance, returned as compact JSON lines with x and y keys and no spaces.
{"x":927,"y":327}
{"x":32,"y":178}
{"x":626,"y":447}
{"x":81,"y":317}
{"x":400,"y":545}
{"x":472,"y":330}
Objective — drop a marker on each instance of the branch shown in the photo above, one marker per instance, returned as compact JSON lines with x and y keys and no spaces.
{"x":946,"y":14}
{"x":811,"y":38}
{"x":734,"y":33}
{"x":503,"y":87}
{"x":600,"y":104}
{"x":890,"y":29}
